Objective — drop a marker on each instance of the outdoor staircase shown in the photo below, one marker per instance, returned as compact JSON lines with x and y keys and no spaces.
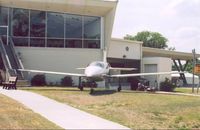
{"x":10,"y":60}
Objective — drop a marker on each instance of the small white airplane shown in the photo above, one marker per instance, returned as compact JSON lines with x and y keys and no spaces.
{"x":98,"y":71}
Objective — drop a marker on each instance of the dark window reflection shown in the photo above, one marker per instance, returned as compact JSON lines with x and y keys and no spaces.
{"x":37,"y":42}
{"x":73,"y":43}
{"x":3,"y":34}
{"x":37,"y":23}
{"x":3,"y":16}
{"x":20,"y":41}
{"x":73,"y":27}
{"x":92,"y":27}
{"x":55,"y":43}
{"x":40,"y":28}
{"x":55,"y":25}
{"x":91,"y":44}
{"x":4,"y":39}
{"x":20,"y":22}
{"x":3,"y":31}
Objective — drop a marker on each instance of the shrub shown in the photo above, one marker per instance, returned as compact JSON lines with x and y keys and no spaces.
{"x":38,"y":80}
{"x":167,"y":85}
{"x":66,"y":81}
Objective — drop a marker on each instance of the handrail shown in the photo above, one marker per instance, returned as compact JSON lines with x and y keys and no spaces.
{"x":5,"y":59}
{"x":16,"y":57}
{"x":5,"y":55}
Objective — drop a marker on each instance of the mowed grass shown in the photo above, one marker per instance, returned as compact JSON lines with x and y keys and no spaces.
{"x":187,"y":90}
{"x":132,"y":109}
{"x":14,"y":115}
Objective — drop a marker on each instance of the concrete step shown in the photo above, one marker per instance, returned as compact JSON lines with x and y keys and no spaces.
{"x":23,"y":83}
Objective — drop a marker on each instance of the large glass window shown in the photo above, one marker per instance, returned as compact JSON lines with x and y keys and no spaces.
{"x":37,"y":23}
{"x":3,"y":16}
{"x":91,"y":44}
{"x":55,"y":43}
{"x":92,"y":27}
{"x":20,"y":41}
{"x":50,"y":29}
{"x":3,"y":34}
{"x":74,"y":27}
{"x":73,"y":43}
{"x":55,"y":25}
{"x":3,"y":22}
{"x":20,"y":22}
{"x":37,"y":42}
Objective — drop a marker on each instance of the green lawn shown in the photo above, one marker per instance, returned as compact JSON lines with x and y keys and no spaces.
{"x":14,"y":115}
{"x":186,"y":90}
{"x":132,"y":109}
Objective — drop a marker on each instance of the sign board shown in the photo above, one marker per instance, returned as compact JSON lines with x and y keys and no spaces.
{"x":197,"y":69}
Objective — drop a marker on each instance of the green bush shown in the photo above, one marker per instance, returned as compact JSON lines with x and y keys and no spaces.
{"x":38,"y":80}
{"x":167,"y":86}
{"x":66,"y":81}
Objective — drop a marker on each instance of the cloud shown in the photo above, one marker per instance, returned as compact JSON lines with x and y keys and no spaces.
{"x":177,"y":20}
{"x":186,"y":8}
{"x":170,"y":9}
{"x":187,"y":32}
{"x":186,"y":39}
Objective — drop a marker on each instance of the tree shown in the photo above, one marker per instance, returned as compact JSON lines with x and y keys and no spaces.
{"x":149,"y":39}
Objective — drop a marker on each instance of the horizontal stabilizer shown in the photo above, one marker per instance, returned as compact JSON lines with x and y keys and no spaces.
{"x":80,"y":68}
{"x":125,"y":69}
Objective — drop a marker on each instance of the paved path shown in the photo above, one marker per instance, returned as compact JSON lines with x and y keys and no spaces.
{"x":61,"y":114}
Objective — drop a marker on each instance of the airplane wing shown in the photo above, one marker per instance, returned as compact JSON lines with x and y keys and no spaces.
{"x":52,"y":72}
{"x":125,"y":69}
{"x":143,"y":74}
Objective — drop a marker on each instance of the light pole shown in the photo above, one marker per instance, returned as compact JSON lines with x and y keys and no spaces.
{"x":194,"y":63}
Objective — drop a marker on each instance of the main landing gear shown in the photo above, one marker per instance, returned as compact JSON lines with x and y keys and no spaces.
{"x":120,"y":86}
{"x":89,"y":83}
{"x":80,"y":86}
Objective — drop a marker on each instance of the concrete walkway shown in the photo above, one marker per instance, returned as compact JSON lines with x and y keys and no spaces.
{"x":61,"y":114}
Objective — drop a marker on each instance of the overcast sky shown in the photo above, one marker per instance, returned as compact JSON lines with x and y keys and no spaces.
{"x":177,"y":20}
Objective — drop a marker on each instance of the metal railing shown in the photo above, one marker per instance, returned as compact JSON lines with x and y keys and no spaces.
{"x":5,"y":59}
{"x":16,"y":58}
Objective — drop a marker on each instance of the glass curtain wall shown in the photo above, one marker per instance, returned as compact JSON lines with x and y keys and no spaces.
{"x":36,"y":28}
{"x":3,"y":23}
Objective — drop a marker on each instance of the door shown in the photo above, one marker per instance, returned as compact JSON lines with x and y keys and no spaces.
{"x":151,"y":68}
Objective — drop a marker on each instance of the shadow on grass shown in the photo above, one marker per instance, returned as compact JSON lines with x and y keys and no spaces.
{"x":102,"y":92}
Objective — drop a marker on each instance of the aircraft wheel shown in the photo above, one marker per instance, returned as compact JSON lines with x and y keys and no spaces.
{"x":119,"y":89}
{"x":91,"y":91}
{"x":81,"y":88}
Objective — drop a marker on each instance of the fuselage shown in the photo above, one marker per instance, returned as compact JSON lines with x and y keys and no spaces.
{"x":97,"y":69}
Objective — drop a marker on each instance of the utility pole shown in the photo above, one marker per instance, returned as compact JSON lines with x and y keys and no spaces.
{"x":194,"y":63}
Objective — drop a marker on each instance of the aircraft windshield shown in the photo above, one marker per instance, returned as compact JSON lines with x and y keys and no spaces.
{"x":97,"y":64}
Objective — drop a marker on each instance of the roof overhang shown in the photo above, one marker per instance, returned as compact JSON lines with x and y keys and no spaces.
{"x":175,"y":55}
{"x":83,"y":7}
{"x":126,"y":41}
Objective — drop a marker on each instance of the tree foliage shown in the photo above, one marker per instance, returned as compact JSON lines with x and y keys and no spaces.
{"x":149,"y":39}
